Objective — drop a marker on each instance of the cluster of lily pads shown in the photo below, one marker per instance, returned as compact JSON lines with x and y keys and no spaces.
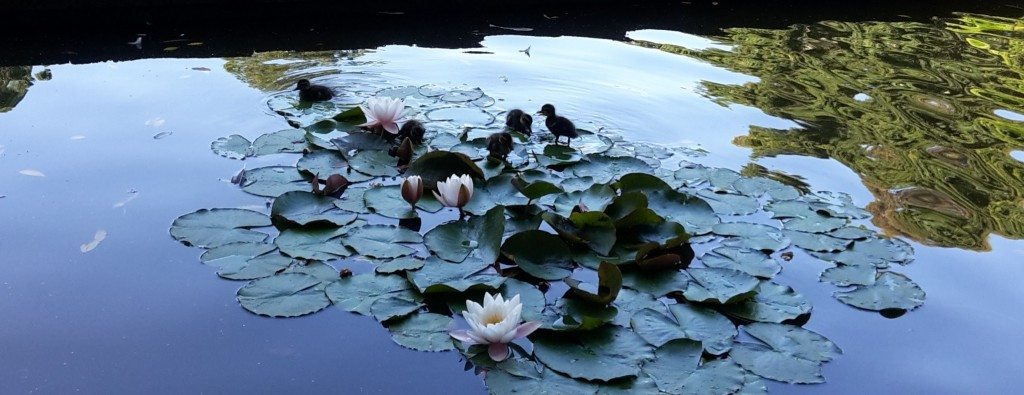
{"x":596,"y":241}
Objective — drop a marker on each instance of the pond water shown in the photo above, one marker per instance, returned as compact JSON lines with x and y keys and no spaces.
{"x":918,"y":122}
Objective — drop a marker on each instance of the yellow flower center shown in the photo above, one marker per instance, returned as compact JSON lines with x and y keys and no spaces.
{"x":493,"y":318}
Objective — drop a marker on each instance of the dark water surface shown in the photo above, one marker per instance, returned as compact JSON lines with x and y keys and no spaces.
{"x":140,"y":313}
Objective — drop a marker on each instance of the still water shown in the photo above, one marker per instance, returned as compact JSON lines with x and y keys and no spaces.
{"x":870,"y":109}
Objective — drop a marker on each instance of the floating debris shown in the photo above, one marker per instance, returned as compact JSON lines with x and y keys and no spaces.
{"x":161,"y":135}
{"x":515,"y":29}
{"x":156,"y":122}
{"x":526,"y":51}
{"x":96,"y":239}
{"x":132,"y":194}
{"x":203,"y":69}
{"x":137,"y":43}
{"x":32,"y":173}
{"x":78,"y":137}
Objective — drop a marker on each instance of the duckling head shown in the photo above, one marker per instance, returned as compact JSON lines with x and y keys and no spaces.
{"x":302,"y":84}
{"x":547,"y":110}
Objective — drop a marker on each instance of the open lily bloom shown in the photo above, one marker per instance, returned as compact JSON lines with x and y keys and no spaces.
{"x":384,"y":112}
{"x":455,"y":191}
{"x":495,"y":324}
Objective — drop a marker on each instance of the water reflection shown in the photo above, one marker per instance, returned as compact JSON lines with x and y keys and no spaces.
{"x":925,"y":113}
{"x":14,"y":83}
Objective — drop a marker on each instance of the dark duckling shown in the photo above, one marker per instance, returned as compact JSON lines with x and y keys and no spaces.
{"x":499,"y":145}
{"x":413,"y":130}
{"x":519,"y":121}
{"x":558,"y":125}
{"x":310,"y":92}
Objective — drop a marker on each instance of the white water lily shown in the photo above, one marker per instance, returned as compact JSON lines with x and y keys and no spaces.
{"x":495,"y":324}
{"x":455,"y":191}
{"x":384,"y":112}
{"x":412,"y":189}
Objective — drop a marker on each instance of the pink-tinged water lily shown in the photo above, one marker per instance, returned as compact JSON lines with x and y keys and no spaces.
{"x":384,"y":112}
{"x":455,"y":191}
{"x":412,"y":189}
{"x":494,"y":324}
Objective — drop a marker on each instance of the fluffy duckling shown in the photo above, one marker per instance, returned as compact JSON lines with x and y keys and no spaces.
{"x":519,"y":121}
{"x":413,"y":130}
{"x":310,"y":92}
{"x":499,"y":145}
{"x":558,"y":125}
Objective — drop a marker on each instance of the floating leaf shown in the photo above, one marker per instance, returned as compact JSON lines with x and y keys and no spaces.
{"x":752,"y":262}
{"x":219,"y":226}
{"x":890,"y":291}
{"x":725,"y":203}
{"x":245,"y":261}
{"x":317,"y":244}
{"x":423,"y":332}
{"x":283,"y":141}
{"x":814,"y":223}
{"x":877,"y":252}
{"x":437,"y":166}
{"x":324,"y":163}
{"x":655,"y":282}
{"x":455,"y":241}
{"x":303,"y":208}
{"x":772,"y":303}
{"x":816,"y":242}
{"x":32,"y":173}
{"x":790,"y":353}
{"x":96,"y":239}
{"x":687,"y":321}
{"x":676,"y":369}
{"x":441,"y":276}
{"x":399,"y":265}
{"x":604,"y":354}
{"x":381,"y":241}
{"x":608,"y":286}
{"x":752,"y":236}
{"x":722,"y":286}
{"x":353,"y":201}
{"x":541,"y":254}
{"x":501,"y":381}
{"x":382,"y":296}
{"x":846,"y":275}
{"x":758,"y":186}
{"x":232,"y":147}
{"x":374,"y":163}
{"x":284,"y":295}
{"x":273,"y":181}
{"x":595,"y":198}
{"x":604,"y":168}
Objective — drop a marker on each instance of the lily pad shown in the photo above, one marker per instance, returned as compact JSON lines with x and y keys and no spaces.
{"x":752,"y":262}
{"x":304,"y":208}
{"x":814,"y":223}
{"x":595,"y":198}
{"x":442,"y":276}
{"x":878,"y":252}
{"x":605,"y":168}
{"x":317,"y":244}
{"x":361,"y":141}
{"x":725,"y":203}
{"x":604,"y":354}
{"x":540,"y":254}
{"x":219,"y":226}
{"x":245,"y":261}
{"x":890,"y":291}
{"x":772,"y":303}
{"x":423,"y":332}
{"x":687,"y":321}
{"x":284,"y":295}
{"x":676,"y":369}
{"x":722,"y":286}
{"x":273,"y":181}
{"x":752,"y":236}
{"x":232,"y":147}
{"x":608,"y":286}
{"x":789,"y":354}
{"x":381,"y":241}
{"x":455,"y":241}
{"x":382,"y":296}
{"x":402,"y":264}
{"x":437,"y":166}
{"x":502,"y":381}
{"x":387,"y":201}
{"x":374,"y":163}
{"x":846,"y":275}
{"x":816,"y":242}
{"x":658,"y":283}
{"x":283,"y":141}
{"x":353,"y":201}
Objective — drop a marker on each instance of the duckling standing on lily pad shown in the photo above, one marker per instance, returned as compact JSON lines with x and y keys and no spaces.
{"x":499,"y":145}
{"x":518,"y":121}
{"x":558,"y":125}
{"x":310,"y":92}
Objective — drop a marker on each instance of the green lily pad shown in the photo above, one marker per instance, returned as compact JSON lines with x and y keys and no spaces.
{"x":595,"y":198}
{"x":382,"y":296}
{"x":752,"y":262}
{"x":273,"y":181}
{"x":558,"y":155}
{"x":630,"y":302}
{"x":219,"y":226}
{"x":284,"y":295}
{"x":495,"y":191}
{"x":535,"y":190}
{"x":501,"y":381}
{"x":687,"y":321}
{"x":316,"y":244}
{"x":876,"y":251}
{"x":846,"y":275}
{"x":789,"y":354}
{"x":324,"y":163}
{"x":353,"y":201}
{"x":442,"y":276}
{"x":291,"y":141}
{"x":361,"y":141}
{"x":374,"y":163}
{"x":608,"y":286}
{"x":381,"y":241}
{"x":752,"y":236}
{"x":814,"y":223}
{"x":455,"y":241}
{"x":540,"y":254}
{"x":402,"y":264}
{"x":722,"y":286}
{"x":217,"y":256}
{"x":423,"y":332}
{"x":325,"y":273}
{"x":759,"y":186}
{"x":604,"y":168}
{"x":890,"y":291}
{"x":574,"y":314}
{"x":630,"y":209}
{"x":772,"y":303}
{"x":437,"y":166}
{"x":387,"y":201}
{"x":676,"y":369}
{"x":725,"y":203}
{"x":658,"y":283}
{"x":604,"y":354}
{"x":816,"y":242}
{"x":696,"y":215}
{"x":593,"y":228}
{"x":852,"y":233}
{"x":245,"y":261}
{"x":532,"y":298}
{"x":231,"y":147}
{"x":304,"y":208}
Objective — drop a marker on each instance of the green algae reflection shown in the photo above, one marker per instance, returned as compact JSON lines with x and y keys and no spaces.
{"x":927,"y":114}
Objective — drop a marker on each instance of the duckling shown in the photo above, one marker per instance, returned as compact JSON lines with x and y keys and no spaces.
{"x":499,"y":145}
{"x":558,"y":125}
{"x":519,"y":121}
{"x":413,"y":130}
{"x":310,"y":92}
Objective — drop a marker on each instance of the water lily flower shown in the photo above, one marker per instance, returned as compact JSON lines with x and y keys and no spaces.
{"x":412,"y":189}
{"x":455,"y":192}
{"x":384,"y":112}
{"x":495,"y":324}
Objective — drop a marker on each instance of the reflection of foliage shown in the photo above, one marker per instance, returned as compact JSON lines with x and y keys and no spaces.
{"x":14,"y":83}
{"x":270,"y":71}
{"x":924,"y":138}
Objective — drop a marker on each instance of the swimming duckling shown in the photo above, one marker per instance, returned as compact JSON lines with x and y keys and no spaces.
{"x":413,"y":130}
{"x":310,"y":92}
{"x":519,"y":121}
{"x":558,"y":125}
{"x":499,"y":145}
